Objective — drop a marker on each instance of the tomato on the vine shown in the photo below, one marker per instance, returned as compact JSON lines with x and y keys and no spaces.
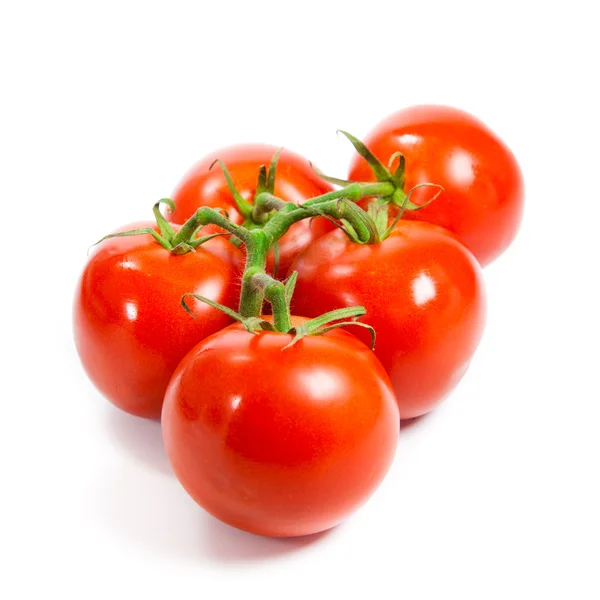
{"x":296,"y":182}
{"x":280,"y":441}
{"x":482,"y":201}
{"x":423,"y":293}
{"x":130,"y":328}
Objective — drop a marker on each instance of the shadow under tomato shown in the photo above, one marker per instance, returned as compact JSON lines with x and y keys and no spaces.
{"x":143,"y":502}
{"x":140,"y":438}
{"x":406,"y":424}
{"x":223,"y":543}
{"x":154,"y":513}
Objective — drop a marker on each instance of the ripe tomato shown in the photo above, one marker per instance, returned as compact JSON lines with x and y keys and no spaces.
{"x":130,"y":328}
{"x":482,"y":201}
{"x":280,"y":442}
{"x":295,"y":182}
{"x":423,"y":293}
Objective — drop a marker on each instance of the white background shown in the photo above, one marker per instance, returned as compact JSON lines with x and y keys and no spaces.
{"x":104,"y":105}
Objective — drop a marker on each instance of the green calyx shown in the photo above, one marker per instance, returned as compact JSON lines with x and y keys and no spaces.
{"x":388,"y":190}
{"x":384,"y":174}
{"x":176,"y":242}
{"x":329,"y":321}
{"x":265,"y":203}
{"x":378,"y":210}
{"x":257,"y":214}
{"x":279,"y":294}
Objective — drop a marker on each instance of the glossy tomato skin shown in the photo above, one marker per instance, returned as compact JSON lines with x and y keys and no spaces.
{"x":482,"y":201}
{"x":280,"y":442}
{"x":423,"y":293}
{"x":130,"y":328}
{"x":296,"y":182}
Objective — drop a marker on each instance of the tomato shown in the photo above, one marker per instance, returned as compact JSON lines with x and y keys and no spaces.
{"x":423,"y":293}
{"x":130,"y":328}
{"x":295,"y":182}
{"x":280,"y":442}
{"x":482,"y":201}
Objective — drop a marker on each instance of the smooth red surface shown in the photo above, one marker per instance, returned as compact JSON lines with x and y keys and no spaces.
{"x":296,"y":182}
{"x":280,"y":442}
{"x":130,"y":328}
{"x":423,"y":292}
{"x":482,"y":201}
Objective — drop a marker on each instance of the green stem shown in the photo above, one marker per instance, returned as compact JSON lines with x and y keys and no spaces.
{"x":252,"y":297}
{"x":259,"y":241}
{"x":274,"y":292}
{"x":205,"y":216}
{"x":290,"y":214}
{"x":265,"y":203}
{"x":355,"y":192}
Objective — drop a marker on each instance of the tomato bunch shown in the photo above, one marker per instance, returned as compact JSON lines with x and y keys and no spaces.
{"x":281,"y":323}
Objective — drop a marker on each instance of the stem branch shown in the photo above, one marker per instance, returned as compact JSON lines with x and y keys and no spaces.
{"x":274,"y":292}
{"x":206,"y":216}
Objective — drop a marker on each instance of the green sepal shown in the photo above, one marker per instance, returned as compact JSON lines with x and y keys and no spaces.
{"x":399,"y":198}
{"x":236,"y":241}
{"x":251,"y":324}
{"x":349,"y":231}
{"x":393,"y":157}
{"x":329,"y":179}
{"x":398,"y":174}
{"x":320,"y":325}
{"x":378,"y":211}
{"x":381,"y":173}
{"x":182,"y":248}
{"x":344,"y":225}
{"x":261,"y":185}
{"x":347,"y":324}
{"x":185,"y":247}
{"x":407,"y":202}
{"x":363,"y":231}
{"x":254,"y":324}
{"x":201,"y":240}
{"x":289,"y":287}
{"x":273,"y":172}
{"x":370,"y":235}
{"x":243,"y":206}
{"x":145,"y":230}
{"x":276,"y":257}
{"x":163,"y":225}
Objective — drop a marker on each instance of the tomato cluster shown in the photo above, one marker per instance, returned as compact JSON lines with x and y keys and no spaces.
{"x":282,"y":424}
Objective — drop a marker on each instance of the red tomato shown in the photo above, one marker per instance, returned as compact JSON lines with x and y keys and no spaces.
{"x":424,"y":297}
{"x":280,"y":442}
{"x":295,"y":182}
{"x":482,"y":201}
{"x":130,"y":328}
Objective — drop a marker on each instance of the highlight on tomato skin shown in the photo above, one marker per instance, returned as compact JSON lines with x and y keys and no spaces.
{"x":423,"y":293}
{"x":296,"y":181}
{"x":129,"y":326}
{"x":280,"y":442}
{"x":482,"y":201}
